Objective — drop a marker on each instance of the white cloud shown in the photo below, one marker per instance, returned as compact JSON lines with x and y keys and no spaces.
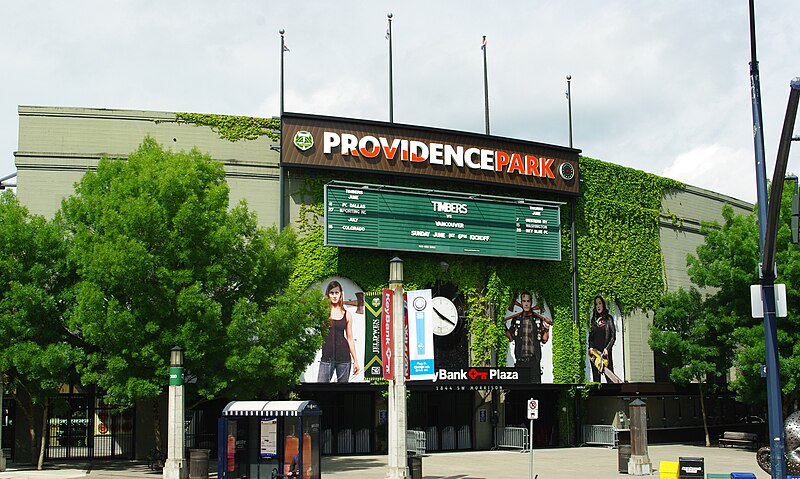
{"x":717,"y":168}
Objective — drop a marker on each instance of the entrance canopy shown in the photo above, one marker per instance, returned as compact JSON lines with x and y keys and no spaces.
{"x":272,"y":408}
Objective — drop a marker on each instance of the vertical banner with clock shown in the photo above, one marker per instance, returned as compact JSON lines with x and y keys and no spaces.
{"x":420,"y":335}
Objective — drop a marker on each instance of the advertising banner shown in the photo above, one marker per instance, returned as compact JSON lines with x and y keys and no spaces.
{"x":605,"y":359}
{"x":387,"y":338}
{"x":420,"y":335}
{"x":373,"y":363}
{"x":529,"y":330}
{"x":341,"y":358}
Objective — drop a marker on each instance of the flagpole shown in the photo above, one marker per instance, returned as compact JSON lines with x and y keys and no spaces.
{"x":281,"y":179}
{"x":283,"y":49}
{"x":391,"y":86}
{"x":569,"y":102}
{"x":485,"y":84}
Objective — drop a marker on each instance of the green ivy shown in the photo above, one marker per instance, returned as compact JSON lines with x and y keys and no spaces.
{"x":619,"y":256}
{"x":619,"y":250}
{"x":234,"y":128}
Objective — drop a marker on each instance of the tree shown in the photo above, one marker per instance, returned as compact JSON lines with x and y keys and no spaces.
{"x":694,"y":339}
{"x":38,"y":352}
{"x":727,"y":264}
{"x":162,"y":262}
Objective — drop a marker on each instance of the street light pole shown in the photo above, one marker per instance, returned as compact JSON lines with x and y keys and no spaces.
{"x":175,"y":465}
{"x":2,"y":422}
{"x":397,"y":386}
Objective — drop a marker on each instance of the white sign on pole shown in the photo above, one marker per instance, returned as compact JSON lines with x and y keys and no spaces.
{"x":533,"y":409}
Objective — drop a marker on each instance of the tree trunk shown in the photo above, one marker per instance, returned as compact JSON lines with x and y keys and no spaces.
{"x":705,"y":419}
{"x":157,"y":425}
{"x":43,"y":442}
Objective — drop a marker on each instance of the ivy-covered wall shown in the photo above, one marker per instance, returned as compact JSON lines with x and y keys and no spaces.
{"x":619,"y":253}
{"x":619,"y":257}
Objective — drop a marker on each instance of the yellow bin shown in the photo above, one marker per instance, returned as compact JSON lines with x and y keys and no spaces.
{"x":668,"y":470}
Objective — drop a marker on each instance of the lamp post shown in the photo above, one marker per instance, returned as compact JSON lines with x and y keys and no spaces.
{"x":174,"y":467}
{"x":397,"y":386}
{"x":2,"y":422}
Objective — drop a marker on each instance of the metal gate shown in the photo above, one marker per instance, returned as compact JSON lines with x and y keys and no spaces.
{"x":90,"y":429}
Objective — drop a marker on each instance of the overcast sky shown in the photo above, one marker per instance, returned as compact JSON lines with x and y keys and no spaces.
{"x":661,"y":86}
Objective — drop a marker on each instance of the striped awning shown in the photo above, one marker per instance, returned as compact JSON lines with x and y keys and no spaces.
{"x":271,"y":408}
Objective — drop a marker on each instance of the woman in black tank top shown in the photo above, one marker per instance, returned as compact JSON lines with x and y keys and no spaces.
{"x":338,"y":349}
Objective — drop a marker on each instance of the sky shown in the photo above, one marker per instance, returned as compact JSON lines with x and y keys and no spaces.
{"x":662,"y":87}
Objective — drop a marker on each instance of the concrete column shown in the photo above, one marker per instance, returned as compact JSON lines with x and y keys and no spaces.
{"x":397,"y":387}
{"x":175,"y":465}
{"x":639,"y":463}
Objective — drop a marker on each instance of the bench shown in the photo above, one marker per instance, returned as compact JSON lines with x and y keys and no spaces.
{"x":739,"y":439}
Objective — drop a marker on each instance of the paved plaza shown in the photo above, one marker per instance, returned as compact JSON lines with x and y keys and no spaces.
{"x":582,"y":462}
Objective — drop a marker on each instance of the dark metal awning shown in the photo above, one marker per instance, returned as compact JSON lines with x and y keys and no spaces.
{"x":272,"y":408}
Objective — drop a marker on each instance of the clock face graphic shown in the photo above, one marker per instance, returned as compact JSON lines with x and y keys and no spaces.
{"x":445,"y":316}
{"x":567,"y":171}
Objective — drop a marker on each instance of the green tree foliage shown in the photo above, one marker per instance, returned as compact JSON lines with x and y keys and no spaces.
{"x":38,"y":352}
{"x":694,"y":340}
{"x":163,"y":261}
{"x":728,"y":263}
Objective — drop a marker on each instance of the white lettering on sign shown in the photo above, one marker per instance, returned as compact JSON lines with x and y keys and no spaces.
{"x":449,"y":224}
{"x":443,"y":154}
{"x":451,"y":208}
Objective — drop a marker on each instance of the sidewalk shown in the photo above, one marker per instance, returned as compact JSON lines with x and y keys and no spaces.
{"x":581,"y":462}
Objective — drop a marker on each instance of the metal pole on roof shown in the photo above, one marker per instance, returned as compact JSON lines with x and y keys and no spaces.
{"x":391,"y":86}
{"x":281,"y":172}
{"x":485,"y":84}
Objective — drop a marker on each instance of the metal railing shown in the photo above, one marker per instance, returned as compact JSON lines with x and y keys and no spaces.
{"x":599,"y":434}
{"x":344,"y":444}
{"x":432,"y":439}
{"x":362,"y":441}
{"x":416,"y":442}
{"x":464,"y":438}
{"x":512,"y":438}
{"x":448,"y":438}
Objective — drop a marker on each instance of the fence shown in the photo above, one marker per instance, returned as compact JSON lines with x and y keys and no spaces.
{"x":362,"y":441}
{"x":512,"y":437}
{"x":345,"y":442}
{"x":416,"y":442}
{"x":448,"y":438}
{"x":464,"y":438}
{"x":327,"y":441}
{"x":599,"y":434}
{"x":432,"y":439}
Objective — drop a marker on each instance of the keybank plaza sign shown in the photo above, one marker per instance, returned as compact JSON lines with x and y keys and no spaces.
{"x":345,"y":144}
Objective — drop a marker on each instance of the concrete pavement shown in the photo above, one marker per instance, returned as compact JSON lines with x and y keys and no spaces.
{"x":582,"y":462}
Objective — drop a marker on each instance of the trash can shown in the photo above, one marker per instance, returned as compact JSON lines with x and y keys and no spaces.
{"x":198,"y":463}
{"x":691,"y":468}
{"x":623,"y":456}
{"x":414,"y":466}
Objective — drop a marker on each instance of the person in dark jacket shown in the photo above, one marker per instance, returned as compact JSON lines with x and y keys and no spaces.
{"x":602,"y":335}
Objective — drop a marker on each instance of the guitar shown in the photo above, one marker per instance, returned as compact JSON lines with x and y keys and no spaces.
{"x":601,"y":364}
